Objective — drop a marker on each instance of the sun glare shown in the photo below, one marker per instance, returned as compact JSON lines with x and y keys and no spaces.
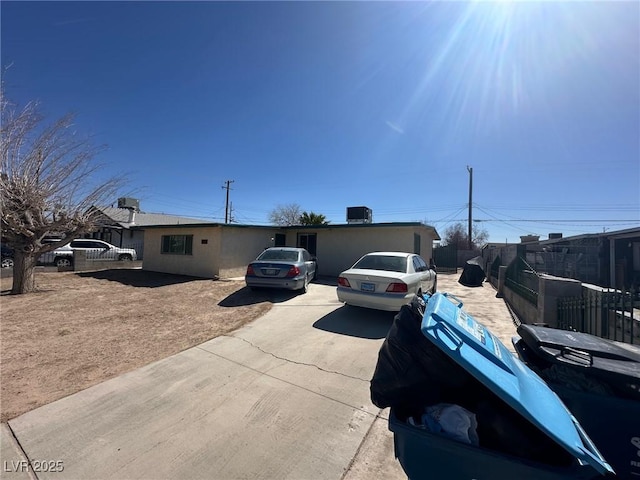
{"x":501,"y":59}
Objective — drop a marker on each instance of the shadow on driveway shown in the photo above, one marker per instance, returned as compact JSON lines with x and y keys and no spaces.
{"x":323,"y":280}
{"x":357,"y":322}
{"x":244,"y":297}
{"x":247,"y":296}
{"x":139,"y":278}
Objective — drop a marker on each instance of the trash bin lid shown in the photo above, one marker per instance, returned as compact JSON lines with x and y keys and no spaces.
{"x":477,"y":350}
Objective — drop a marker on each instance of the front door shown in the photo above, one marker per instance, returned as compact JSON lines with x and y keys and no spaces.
{"x":308,"y":241}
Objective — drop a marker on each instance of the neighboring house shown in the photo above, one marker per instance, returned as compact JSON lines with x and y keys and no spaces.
{"x":610,"y":259}
{"x":624,"y":257}
{"x":124,"y":227}
{"x":214,"y":250}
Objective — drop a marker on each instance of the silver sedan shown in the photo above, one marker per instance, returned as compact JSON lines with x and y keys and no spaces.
{"x":282,"y":267}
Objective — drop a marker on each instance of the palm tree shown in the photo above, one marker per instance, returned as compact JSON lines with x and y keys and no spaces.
{"x":313,"y":219}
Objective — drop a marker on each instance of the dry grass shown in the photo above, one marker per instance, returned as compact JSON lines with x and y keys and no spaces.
{"x":80,"y":329}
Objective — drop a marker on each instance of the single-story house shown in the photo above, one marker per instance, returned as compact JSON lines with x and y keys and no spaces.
{"x":215,"y":250}
{"x":124,"y":227}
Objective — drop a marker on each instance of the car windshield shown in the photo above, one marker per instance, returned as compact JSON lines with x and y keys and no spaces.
{"x":382,"y":262}
{"x":289,"y":255}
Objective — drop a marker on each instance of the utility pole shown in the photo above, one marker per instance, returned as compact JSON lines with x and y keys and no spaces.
{"x":226,"y":207}
{"x":470,"y":170}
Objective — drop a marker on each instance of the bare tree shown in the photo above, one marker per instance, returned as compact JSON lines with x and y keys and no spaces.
{"x":479,"y":236}
{"x":48,"y":183}
{"x":285,"y":215}
{"x":455,"y":235}
{"x":458,"y":235}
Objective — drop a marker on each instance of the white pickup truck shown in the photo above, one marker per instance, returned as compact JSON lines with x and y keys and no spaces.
{"x":96,"y":250}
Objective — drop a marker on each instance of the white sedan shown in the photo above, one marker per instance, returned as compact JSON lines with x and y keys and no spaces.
{"x":386,"y":280}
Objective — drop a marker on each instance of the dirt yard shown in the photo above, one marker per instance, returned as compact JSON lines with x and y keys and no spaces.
{"x":80,"y":329}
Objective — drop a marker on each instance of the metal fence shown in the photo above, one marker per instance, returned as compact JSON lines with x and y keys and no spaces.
{"x":605,"y":313}
{"x":580,"y":262}
{"x":523,"y":280}
{"x":446,"y":258}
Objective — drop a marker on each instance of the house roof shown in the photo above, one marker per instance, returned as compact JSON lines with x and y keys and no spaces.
{"x":121,"y":217}
{"x":369,"y":225}
{"x":305,"y":227}
{"x":629,"y":232}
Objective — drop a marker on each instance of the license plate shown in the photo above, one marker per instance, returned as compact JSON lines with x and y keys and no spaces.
{"x":270,"y":271}
{"x":367,"y":287}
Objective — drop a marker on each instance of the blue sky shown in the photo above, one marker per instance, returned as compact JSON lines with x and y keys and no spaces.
{"x":337,"y":104}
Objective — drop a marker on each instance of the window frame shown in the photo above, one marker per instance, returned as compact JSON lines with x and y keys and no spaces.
{"x":422,"y":265}
{"x":166,"y":240}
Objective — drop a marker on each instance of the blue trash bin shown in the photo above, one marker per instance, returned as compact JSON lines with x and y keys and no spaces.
{"x":525,"y":431}
{"x":598,"y":380}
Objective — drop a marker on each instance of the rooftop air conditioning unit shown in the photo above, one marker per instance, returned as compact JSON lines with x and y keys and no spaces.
{"x":359,"y":215}
{"x":127,"y":202}
{"x":529,"y":238}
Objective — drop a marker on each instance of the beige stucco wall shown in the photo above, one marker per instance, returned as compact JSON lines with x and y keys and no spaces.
{"x":226,"y":254}
{"x":240,"y":247}
{"x":229,"y":249}
{"x":339,"y":248}
{"x":205,"y":261}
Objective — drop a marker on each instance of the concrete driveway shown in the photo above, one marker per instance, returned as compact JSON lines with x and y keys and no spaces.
{"x":286,"y":397}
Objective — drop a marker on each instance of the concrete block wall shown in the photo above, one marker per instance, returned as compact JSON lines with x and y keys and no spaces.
{"x":550,"y":289}
{"x":524,"y":309}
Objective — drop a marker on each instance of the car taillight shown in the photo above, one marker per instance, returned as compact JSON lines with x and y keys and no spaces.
{"x":343,"y":282}
{"x":397,"y":288}
{"x":250,"y":270}
{"x":293,"y":272}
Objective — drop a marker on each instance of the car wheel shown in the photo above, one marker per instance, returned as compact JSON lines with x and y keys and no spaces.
{"x":63,"y":262}
{"x":305,"y":286}
{"x":7,"y":263}
{"x":435,"y":287}
{"x":125,"y":258}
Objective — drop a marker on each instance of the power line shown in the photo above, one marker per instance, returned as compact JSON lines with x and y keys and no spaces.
{"x":569,"y":208}
{"x":506,"y":223}
{"x":558,"y":221}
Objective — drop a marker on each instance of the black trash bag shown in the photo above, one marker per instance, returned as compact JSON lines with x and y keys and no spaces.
{"x":473,"y":274}
{"x":411,"y":371}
